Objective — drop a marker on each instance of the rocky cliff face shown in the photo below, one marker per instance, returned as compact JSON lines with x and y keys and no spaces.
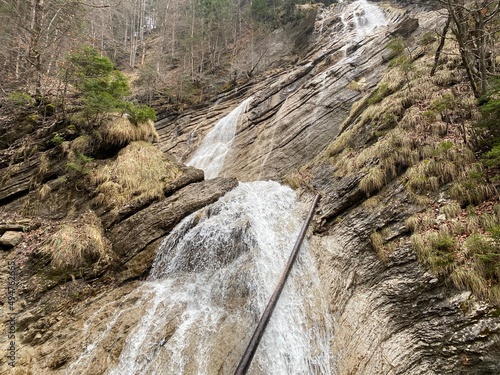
{"x":298,"y":110}
{"x":391,"y":314}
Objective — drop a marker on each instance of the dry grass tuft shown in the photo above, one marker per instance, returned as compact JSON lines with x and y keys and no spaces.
{"x":451,"y":210}
{"x":340,"y":143}
{"x":82,"y":144}
{"x":140,"y":171}
{"x":378,"y":245}
{"x":373,"y":181}
{"x":413,"y":224}
{"x":371,"y":202}
{"x":120,"y":131}
{"x":44,"y":191}
{"x":79,"y":245}
{"x":44,"y":164}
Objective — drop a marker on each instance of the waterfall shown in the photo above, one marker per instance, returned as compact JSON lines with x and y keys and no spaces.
{"x":213,"y":149}
{"x":210,"y":282}
{"x":360,"y":19}
{"x":366,"y":17}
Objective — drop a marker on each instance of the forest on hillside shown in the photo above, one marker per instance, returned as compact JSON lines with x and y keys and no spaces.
{"x":168,"y":46}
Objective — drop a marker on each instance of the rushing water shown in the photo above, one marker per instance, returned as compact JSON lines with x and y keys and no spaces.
{"x":366,"y":17}
{"x":210,"y":282}
{"x":212,"y":151}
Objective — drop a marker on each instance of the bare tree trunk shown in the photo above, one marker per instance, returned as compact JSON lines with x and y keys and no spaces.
{"x":440,"y":46}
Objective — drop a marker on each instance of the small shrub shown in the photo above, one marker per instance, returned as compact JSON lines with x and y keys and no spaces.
{"x":492,"y":157}
{"x":495,"y":234}
{"x":77,"y":164}
{"x":140,"y":114}
{"x":443,"y":147}
{"x":430,"y":116}
{"x":56,"y":140}
{"x":397,"y":46}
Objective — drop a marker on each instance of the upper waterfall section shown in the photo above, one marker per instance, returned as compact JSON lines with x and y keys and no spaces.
{"x":212,"y":151}
{"x":297,"y":110}
{"x":363,"y":17}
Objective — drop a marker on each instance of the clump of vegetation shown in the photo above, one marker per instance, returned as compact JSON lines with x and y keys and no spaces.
{"x":20,"y":100}
{"x":140,"y":171}
{"x":378,"y":245}
{"x":78,"y":246}
{"x":381,"y":92}
{"x":77,"y":164}
{"x":120,"y":131}
{"x":465,"y":248}
{"x":101,"y":87}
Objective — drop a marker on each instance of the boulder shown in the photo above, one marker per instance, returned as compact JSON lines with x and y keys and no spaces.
{"x":11,"y":239}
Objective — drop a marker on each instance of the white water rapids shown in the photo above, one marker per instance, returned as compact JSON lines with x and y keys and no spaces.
{"x":212,"y":151}
{"x":213,"y":276}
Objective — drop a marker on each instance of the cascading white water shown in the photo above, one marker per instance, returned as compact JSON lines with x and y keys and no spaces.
{"x":211,"y":281}
{"x":360,"y":19}
{"x":366,"y":17}
{"x":214,"y":273}
{"x":212,"y":151}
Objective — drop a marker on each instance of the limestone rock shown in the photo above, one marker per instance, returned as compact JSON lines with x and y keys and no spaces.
{"x":133,"y":234}
{"x":16,"y":179}
{"x":297,"y":112}
{"x":394,"y":316}
{"x":11,"y":239}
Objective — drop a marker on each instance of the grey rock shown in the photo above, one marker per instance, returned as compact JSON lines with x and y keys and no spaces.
{"x":11,"y":239}
{"x":132,"y":235}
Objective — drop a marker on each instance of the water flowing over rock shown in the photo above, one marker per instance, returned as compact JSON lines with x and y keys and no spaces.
{"x":209,"y":284}
{"x":296,"y":112}
{"x":212,"y":151}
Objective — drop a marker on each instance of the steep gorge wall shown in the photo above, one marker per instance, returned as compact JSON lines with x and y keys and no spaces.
{"x":298,"y":110}
{"x":392,"y":316}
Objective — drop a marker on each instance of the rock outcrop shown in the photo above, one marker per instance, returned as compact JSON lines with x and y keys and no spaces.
{"x":394,"y":316}
{"x":296,"y":112}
